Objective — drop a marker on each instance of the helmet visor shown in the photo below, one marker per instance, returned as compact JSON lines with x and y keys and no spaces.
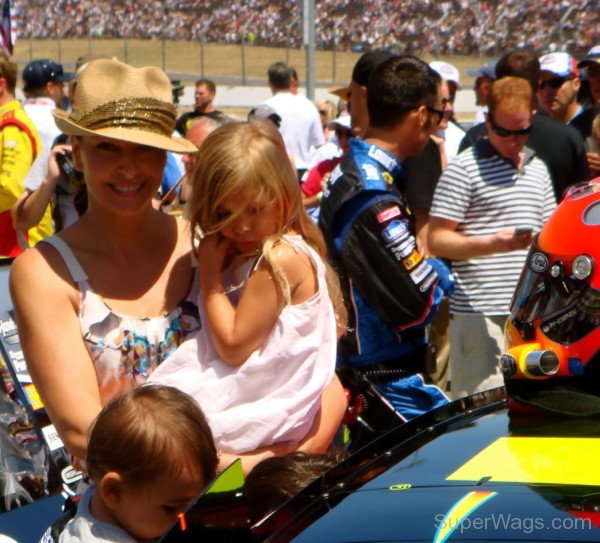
{"x":554,"y":292}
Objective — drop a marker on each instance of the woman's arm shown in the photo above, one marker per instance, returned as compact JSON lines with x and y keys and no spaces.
{"x":318,"y":440}
{"x":60,"y":366}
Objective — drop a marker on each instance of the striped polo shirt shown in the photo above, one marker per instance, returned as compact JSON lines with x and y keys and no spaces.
{"x":484,"y":193}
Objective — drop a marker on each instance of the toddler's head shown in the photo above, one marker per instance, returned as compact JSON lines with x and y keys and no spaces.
{"x":150,"y":452}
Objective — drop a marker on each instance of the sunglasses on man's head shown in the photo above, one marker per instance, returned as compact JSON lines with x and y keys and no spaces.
{"x":554,"y":82}
{"x":505,"y":132}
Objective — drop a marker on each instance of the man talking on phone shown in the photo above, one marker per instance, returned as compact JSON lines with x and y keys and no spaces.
{"x":487,"y":207}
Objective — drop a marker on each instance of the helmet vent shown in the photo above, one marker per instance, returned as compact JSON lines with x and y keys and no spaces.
{"x":591,"y":216}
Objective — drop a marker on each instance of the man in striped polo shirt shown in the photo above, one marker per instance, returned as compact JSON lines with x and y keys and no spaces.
{"x":487,"y":206}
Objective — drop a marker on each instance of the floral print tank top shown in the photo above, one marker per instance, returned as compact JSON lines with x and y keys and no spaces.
{"x":126,"y":349}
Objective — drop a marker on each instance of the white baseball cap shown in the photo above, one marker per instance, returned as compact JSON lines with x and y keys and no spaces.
{"x":447,"y":71}
{"x":342,"y":120}
{"x":561,"y":64}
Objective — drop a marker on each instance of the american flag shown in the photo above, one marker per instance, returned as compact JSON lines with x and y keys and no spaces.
{"x":8,"y":29}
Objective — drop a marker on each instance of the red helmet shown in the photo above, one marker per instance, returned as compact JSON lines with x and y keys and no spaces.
{"x":553,"y":332}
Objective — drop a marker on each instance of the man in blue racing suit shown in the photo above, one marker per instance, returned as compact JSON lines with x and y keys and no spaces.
{"x":391,"y":290}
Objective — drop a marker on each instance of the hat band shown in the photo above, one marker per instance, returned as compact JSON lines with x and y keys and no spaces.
{"x":145,"y":114}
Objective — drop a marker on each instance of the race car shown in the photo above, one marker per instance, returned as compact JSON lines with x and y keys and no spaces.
{"x":466,"y":472}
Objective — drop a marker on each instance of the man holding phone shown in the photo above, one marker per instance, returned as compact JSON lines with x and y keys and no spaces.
{"x":487,"y":206}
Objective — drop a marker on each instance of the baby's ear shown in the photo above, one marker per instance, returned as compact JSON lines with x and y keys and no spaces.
{"x":111,"y":489}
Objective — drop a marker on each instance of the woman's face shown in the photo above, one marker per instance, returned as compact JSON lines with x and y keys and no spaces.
{"x":119,"y":175}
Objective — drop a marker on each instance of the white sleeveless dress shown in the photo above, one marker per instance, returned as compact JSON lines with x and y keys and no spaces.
{"x":274,"y":395}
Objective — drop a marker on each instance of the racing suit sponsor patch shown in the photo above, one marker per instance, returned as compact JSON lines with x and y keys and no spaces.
{"x":425,"y":286}
{"x":387,"y":177}
{"x":388,"y":214}
{"x":420,"y":272}
{"x":403,"y":249}
{"x":388,"y":162}
{"x":371,"y":172}
{"x":412,"y":260}
{"x":394,"y":230}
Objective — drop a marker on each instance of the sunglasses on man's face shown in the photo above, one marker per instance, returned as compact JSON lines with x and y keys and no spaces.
{"x":439,"y":112}
{"x":505,"y":132}
{"x":554,"y":82}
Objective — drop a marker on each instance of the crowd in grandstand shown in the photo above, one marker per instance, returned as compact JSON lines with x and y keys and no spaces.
{"x":446,"y":26}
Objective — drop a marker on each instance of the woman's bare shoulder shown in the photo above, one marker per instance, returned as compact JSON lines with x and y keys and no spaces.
{"x":39,"y":267}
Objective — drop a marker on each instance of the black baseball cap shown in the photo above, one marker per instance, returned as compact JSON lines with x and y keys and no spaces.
{"x":367,"y":64}
{"x":39,"y":72}
{"x":363,"y":69}
{"x":593,"y":57}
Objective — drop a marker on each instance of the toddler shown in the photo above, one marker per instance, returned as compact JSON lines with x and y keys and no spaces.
{"x":150,"y":453}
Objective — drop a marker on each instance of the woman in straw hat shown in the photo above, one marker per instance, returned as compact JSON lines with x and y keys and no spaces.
{"x":101,"y":304}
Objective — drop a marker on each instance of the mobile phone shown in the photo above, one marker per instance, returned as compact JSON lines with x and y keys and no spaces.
{"x":65,"y":163}
{"x":521,"y":230}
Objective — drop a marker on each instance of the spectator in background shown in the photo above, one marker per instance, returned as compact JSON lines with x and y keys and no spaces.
{"x":43,"y":87}
{"x":559,"y":86}
{"x":591,"y":66}
{"x":317,"y":177}
{"x":449,"y":131}
{"x":421,"y":175}
{"x":592,"y":144}
{"x":482,"y":200}
{"x":204,"y":94}
{"x":300,"y":124}
{"x":172,"y":202}
{"x":560,"y":146}
{"x":327,"y":113}
{"x":295,"y":84}
{"x":20,"y":143}
{"x":356,"y":92}
{"x":484,"y":75}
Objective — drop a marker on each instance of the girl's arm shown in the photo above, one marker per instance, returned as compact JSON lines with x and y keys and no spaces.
{"x":238,"y":331}
{"x":59,"y":364}
{"x":326,"y":424}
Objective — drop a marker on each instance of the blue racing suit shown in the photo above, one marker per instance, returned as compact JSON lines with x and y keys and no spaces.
{"x":391,"y":290}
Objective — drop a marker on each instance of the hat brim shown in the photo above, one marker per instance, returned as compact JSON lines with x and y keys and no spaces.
{"x":173,"y":143}
{"x":66,"y":77}
{"x":340,"y":92}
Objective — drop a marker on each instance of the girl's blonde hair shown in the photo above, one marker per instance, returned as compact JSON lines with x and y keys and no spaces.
{"x":252,"y":158}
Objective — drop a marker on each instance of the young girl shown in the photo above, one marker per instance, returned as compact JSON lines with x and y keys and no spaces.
{"x":270,"y":306}
{"x":150,"y":453}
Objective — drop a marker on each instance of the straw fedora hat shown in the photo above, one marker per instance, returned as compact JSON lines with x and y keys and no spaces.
{"x":115,"y":100}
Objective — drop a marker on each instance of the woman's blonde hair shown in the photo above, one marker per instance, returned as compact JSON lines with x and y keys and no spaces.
{"x":252,"y":158}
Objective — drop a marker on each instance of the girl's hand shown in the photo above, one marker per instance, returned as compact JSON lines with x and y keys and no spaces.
{"x":212,"y":253}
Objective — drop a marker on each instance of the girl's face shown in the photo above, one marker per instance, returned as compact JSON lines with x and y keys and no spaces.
{"x":147,"y":512}
{"x":120,"y":175}
{"x":253,"y":221}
